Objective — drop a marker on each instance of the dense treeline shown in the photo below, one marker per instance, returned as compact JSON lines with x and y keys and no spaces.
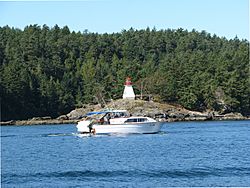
{"x":50,"y":71}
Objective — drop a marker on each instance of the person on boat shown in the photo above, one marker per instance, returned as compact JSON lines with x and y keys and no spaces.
{"x":107,"y":118}
{"x":92,"y":121}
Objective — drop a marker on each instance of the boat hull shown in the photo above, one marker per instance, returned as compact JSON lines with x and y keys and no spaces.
{"x":132,"y":128}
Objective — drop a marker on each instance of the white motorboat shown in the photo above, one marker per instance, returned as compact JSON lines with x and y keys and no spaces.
{"x":117,"y":122}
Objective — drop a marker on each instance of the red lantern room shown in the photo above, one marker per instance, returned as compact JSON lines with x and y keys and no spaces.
{"x":128,"y":81}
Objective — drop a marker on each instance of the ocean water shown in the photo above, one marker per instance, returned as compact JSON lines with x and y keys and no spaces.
{"x":215,"y":153}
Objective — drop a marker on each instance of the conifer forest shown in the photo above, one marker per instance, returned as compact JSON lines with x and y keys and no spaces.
{"x":51,"y":71}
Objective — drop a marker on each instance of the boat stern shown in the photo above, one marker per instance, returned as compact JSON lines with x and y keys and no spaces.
{"x":83,"y":126}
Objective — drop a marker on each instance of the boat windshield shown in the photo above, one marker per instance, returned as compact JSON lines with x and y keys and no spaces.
{"x":118,"y":114}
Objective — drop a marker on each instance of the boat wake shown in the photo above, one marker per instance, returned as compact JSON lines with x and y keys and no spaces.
{"x":56,"y":134}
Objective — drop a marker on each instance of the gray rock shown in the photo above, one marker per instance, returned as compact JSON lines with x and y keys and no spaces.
{"x":63,"y":117}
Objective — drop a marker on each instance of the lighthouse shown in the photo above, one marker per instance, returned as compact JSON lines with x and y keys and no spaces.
{"x":128,"y":92}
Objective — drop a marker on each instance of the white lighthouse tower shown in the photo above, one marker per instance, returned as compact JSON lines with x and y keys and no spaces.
{"x":128,"y":92}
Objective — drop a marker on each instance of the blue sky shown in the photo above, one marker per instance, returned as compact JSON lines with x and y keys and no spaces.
{"x":226,"y":18}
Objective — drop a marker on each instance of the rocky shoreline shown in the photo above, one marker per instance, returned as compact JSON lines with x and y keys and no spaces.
{"x":160,"y":111}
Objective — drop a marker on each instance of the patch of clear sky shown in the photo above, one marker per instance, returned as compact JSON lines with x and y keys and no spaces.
{"x":228,"y":18}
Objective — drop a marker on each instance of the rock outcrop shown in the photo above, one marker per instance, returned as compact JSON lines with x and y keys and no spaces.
{"x":164,"y":112}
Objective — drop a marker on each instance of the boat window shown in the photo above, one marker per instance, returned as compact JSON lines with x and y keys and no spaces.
{"x":136,"y":120}
{"x":130,"y":120}
{"x":123,"y":114}
{"x":142,"y":119}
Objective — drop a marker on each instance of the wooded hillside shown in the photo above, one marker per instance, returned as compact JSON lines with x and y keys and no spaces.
{"x":50,"y":71}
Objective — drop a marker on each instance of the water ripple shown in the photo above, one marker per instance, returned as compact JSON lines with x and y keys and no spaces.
{"x":191,"y":173}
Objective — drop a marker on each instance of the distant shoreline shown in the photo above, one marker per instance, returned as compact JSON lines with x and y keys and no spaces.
{"x":159,"y":111}
{"x":62,"y":122}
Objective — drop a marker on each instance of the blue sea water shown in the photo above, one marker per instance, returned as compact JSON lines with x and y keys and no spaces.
{"x":215,"y":153}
